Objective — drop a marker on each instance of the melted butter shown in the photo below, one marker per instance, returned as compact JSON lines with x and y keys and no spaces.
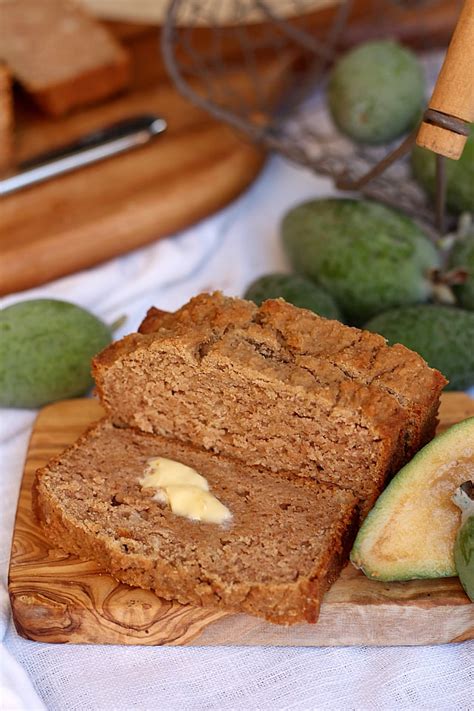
{"x":184,"y":490}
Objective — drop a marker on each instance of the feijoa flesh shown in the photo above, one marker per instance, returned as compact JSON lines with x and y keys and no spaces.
{"x":411,"y":530}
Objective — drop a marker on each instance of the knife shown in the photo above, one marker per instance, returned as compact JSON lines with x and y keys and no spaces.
{"x":93,"y":147}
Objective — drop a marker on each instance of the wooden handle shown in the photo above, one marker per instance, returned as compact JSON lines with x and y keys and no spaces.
{"x":453,"y":96}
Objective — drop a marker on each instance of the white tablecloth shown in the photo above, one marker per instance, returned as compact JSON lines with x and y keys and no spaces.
{"x":224,"y":252}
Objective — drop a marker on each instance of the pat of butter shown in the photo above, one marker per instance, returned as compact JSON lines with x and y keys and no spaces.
{"x":162,"y":472}
{"x":196,"y":504}
{"x":184,"y":490}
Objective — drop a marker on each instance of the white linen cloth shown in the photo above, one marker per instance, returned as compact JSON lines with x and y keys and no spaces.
{"x":223,"y":252}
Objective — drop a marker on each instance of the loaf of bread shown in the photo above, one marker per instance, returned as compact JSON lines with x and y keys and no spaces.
{"x":284,"y":546}
{"x":294,"y":421}
{"x":60,"y":55}
{"x":276,"y":387}
{"x":6,"y":120}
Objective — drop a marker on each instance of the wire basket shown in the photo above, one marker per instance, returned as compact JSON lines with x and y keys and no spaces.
{"x":230,"y":70}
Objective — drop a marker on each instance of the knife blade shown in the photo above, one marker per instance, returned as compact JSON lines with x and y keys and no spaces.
{"x":93,"y":147}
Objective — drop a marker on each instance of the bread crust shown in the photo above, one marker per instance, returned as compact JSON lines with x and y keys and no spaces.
{"x":85,"y":89}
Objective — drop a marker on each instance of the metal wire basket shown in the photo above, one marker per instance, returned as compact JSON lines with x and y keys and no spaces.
{"x":205,"y":54}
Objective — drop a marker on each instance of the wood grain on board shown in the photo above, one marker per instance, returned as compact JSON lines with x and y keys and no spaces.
{"x":58,"y":598}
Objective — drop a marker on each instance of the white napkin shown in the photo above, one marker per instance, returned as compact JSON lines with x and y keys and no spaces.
{"x":16,"y":690}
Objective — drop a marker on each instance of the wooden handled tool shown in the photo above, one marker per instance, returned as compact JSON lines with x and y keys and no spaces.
{"x":446,"y":122}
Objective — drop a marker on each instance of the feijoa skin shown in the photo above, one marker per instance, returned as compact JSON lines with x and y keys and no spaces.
{"x":442,"y":335}
{"x":462,"y":256}
{"x":464,"y":557}
{"x":459,"y":175}
{"x":464,"y":543}
{"x":376,"y":92}
{"x":369,"y":257}
{"x":46,"y":347}
{"x":295,"y":290}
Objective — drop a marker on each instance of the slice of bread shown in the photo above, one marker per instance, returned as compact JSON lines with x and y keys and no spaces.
{"x":285,"y":544}
{"x":6,"y":120}
{"x":61,"y":56}
{"x":276,"y":387}
{"x":361,"y":355}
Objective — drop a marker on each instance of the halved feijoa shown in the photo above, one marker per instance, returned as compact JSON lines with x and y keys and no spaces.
{"x":411,"y":530}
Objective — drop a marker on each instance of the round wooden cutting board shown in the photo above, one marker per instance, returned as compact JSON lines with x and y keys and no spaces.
{"x":82,"y":218}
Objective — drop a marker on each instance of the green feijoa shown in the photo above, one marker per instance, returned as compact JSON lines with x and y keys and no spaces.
{"x":462,"y":255}
{"x":295,"y":290}
{"x":369,"y":257}
{"x":442,"y":335}
{"x":464,"y":544}
{"x":459,"y":175}
{"x":376,"y":91}
{"x":46,"y":348}
{"x":411,"y":530}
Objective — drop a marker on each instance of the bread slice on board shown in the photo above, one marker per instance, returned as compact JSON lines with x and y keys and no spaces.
{"x":283,"y":547}
{"x":276,"y":387}
{"x":361,"y":355}
{"x":6,"y":120}
{"x":60,"y":55}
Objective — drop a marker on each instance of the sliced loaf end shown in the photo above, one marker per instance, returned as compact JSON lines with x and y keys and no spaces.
{"x":62,"y":56}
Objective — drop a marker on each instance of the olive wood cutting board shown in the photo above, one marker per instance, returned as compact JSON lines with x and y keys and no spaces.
{"x":56,"y":597}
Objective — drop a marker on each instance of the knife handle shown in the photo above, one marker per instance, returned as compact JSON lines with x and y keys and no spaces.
{"x":446,"y":123}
